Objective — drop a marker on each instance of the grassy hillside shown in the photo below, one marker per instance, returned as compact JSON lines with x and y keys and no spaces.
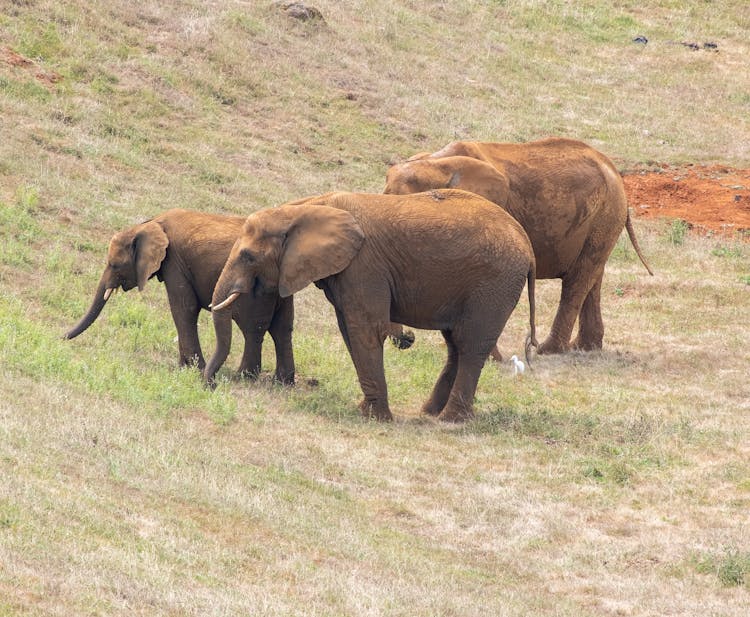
{"x":603,"y":483}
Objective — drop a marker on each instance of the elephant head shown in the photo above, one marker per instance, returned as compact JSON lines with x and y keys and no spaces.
{"x":424,"y":173}
{"x":134,"y":255}
{"x":281,"y":249}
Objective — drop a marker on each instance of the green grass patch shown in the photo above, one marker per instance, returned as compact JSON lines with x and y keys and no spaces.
{"x":334,"y":390}
{"x":10,"y":515}
{"x":735,"y":251}
{"x":19,"y":228}
{"x":27,"y":90}
{"x":40,"y":41}
{"x":40,"y":354}
{"x":731,"y":567}
{"x":677,"y":232}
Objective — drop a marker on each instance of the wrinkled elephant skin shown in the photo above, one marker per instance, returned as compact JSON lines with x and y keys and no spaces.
{"x":568,"y":197}
{"x":446,"y":260}
{"x":187,"y":250}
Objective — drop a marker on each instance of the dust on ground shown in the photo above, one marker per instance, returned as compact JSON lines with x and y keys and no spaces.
{"x":712,"y":199}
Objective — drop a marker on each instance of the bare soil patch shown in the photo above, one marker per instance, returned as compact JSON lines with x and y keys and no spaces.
{"x":17,"y":61}
{"x":711,"y":199}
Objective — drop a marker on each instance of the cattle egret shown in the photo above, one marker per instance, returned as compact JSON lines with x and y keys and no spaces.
{"x":518,"y":366}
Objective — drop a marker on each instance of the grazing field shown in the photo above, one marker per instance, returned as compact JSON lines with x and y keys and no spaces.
{"x":603,"y":483}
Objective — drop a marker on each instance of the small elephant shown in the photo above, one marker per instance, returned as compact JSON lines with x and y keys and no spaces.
{"x":187,"y":250}
{"x":446,"y":260}
{"x":568,"y":197}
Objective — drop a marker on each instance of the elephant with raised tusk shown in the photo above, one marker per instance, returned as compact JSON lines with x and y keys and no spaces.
{"x":568,"y":197}
{"x":187,"y":250}
{"x":446,"y":260}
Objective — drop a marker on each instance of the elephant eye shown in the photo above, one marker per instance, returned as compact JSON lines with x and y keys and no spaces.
{"x":246,"y":255}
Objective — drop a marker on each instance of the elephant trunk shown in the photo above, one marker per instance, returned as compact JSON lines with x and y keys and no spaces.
{"x":100,"y":299}
{"x":221,"y":312}
{"x":223,"y":327}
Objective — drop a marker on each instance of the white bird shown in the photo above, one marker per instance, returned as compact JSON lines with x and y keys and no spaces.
{"x":518,"y":366}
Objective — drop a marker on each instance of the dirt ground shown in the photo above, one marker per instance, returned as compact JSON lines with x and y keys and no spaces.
{"x":16,"y":60}
{"x":711,"y":199}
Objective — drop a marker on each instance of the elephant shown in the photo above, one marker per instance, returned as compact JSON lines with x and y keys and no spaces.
{"x":568,"y":197}
{"x":187,"y":250}
{"x":447,"y":260}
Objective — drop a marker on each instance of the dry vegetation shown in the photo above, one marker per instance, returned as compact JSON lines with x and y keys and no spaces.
{"x":612,"y":483}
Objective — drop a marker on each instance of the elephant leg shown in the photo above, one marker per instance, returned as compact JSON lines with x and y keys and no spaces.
{"x":252,"y":354}
{"x":442,"y":389}
{"x":590,"y":324}
{"x":460,"y":405}
{"x":473,"y":348}
{"x":185,"y":310}
{"x":495,"y":354}
{"x":365,"y":344}
{"x":281,"y":333}
{"x":367,"y":355}
{"x":575,"y":287}
{"x":344,"y":331}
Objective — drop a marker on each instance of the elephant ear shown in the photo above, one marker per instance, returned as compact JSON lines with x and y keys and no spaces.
{"x":321,"y":241}
{"x":150,"y":248}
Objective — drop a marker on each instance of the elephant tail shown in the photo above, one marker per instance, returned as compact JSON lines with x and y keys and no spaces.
{"x":634,"y":241}
{"x":531,"y":337}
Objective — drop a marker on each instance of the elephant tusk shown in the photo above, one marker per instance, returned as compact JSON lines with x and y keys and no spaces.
{"x":232,"y":297}
{"x":108,"y":293}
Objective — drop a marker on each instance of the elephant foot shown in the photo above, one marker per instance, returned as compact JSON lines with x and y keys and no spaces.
{"x":195,"y":360}
{"x":284,"y":379}
{"x":368,"y":409}
{"x":431,"y":409}
{"x":552,"y":346}
{"x":456,"y":414}
{"x":583,"y":344}
{"x":209,"y":382}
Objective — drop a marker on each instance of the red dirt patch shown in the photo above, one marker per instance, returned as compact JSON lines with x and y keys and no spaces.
{"x":711,"y":199}
{"x":13,"y":58}
{"x":16,"y":60}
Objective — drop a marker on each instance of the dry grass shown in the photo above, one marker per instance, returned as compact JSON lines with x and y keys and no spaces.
{"x":612,"y":483}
